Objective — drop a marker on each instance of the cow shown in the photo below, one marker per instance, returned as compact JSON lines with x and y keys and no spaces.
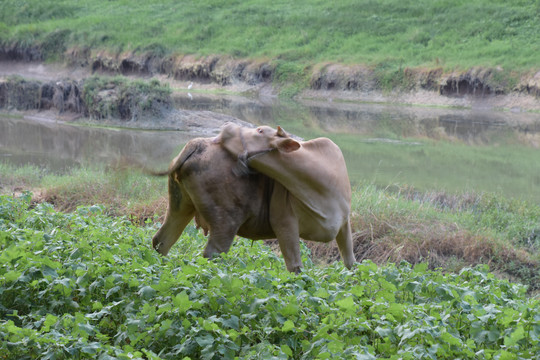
{"x":212,"y":181}
{"x":311,"y":198}
{"x":202,"y":184}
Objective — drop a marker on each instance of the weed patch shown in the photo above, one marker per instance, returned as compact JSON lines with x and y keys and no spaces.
{"x":86,"y":285}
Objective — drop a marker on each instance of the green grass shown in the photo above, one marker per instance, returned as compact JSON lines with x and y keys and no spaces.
{"x":509,"y":170}
{"x":123,"y":191}
{"x":391,"y":33}
{"x":85,"y":285}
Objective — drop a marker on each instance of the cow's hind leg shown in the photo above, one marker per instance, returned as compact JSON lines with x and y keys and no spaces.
{"x":180,"y":211}
{"x":345,"y":245}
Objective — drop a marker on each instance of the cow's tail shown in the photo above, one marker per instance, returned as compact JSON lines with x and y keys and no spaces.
{"x":178,"y":161}
{"x":157,"y":173}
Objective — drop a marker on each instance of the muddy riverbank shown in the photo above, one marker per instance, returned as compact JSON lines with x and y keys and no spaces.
{"x":476,"y":88}
{"x":114,"y":101}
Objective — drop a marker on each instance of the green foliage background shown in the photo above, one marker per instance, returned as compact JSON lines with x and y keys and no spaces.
{"x":391,"y":33}
{"x":85,"y":285}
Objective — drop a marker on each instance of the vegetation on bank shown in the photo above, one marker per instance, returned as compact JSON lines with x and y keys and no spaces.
{"x":387,"y":36}
{"x":96,"y":97}
{"x":86,"y":285}
{"x":121,"y":98}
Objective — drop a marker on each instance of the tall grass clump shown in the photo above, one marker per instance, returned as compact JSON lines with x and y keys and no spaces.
{"x":122,"y":191}
{"x":20,"y":177}
{"x":125,"y":99}
{"x":445,"y":230}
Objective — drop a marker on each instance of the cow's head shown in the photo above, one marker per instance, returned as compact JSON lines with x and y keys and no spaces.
{"x":249,"y":142}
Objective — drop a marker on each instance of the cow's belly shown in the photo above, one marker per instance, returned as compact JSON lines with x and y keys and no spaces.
{"x":256,"y":230}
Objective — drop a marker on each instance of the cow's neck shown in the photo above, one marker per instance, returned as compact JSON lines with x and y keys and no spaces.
{"x":295,"y":172}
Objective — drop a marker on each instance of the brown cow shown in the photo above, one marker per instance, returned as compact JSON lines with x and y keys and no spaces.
{"x":203,"y":185}
{"x":312,"y":194}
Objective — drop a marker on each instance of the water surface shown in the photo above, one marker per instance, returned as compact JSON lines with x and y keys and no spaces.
{"x":424,"y":148}
{"x":58,"y":146}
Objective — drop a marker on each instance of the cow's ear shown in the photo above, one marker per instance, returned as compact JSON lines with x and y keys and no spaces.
{"x":281,"y":132}
{"x":288,"y":145}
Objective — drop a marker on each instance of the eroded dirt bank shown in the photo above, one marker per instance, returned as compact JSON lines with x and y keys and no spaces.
{"x":225,"y":71}
{"x":486,"y":87}
{"x":109,"y":101}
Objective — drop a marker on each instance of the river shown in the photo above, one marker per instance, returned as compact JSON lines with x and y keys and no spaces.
{"x":428,"y":149}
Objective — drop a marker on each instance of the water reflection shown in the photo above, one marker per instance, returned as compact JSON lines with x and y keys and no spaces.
{"x":58,"y":146}
{"x":426,"y":148}
{"x":394,"y":122}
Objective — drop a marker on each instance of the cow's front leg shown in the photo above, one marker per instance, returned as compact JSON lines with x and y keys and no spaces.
{"x":285,"y":225}
{"x":224,"y":224}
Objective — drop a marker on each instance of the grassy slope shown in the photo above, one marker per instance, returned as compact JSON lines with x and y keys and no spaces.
{"x":389,"y":33}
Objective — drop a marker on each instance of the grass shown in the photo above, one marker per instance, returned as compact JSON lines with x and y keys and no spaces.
{"x":390,"y":224}
{"x":390,"y":34}
{"x":123,"y":191}
{"x":432,"y":166}
{"x":448,"y":230}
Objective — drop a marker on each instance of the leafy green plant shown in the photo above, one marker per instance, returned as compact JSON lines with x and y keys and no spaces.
{"x":84,"y":285}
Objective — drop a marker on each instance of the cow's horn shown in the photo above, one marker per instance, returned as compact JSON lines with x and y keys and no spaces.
{"x":281,"y":132}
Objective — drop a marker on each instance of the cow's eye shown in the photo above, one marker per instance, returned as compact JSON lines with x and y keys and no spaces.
{"x":260,"y":131}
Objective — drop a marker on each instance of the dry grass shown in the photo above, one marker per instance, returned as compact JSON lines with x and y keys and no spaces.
{"x":138,"y":213}
{"x":440,"y":245}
